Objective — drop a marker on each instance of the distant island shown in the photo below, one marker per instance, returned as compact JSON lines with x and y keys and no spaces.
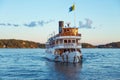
{"x":109,"y":45}
{"x":13,"y":43}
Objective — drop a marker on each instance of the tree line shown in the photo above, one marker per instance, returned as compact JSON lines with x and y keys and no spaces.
{"x":13,"y":43}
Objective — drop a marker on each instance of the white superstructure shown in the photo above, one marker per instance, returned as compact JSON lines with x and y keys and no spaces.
{"x":65,"y":46}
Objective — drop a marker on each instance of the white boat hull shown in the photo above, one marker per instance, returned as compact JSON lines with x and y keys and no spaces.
{"x":72,"y":57}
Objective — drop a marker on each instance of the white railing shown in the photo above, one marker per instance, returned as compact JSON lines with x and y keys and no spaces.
{"x":64,"y":37}
{"x":68,"y":45}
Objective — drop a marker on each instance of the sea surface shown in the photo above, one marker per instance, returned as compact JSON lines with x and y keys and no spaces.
{"x":32,"y":64}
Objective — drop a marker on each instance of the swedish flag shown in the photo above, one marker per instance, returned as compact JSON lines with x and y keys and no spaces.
{"x":72,"y":8}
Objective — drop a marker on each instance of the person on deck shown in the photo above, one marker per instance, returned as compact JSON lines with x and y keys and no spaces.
{"x":56,"y":53}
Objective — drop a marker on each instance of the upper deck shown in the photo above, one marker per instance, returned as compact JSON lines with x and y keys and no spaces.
{"x":68,"y":37}
{"x":66,"y":32}
{"x":69,"y":32}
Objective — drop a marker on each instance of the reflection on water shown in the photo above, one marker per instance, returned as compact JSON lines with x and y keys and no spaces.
{"x":69,"y":70}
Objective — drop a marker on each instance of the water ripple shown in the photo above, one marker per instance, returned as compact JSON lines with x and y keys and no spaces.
{"x":31,"y":64}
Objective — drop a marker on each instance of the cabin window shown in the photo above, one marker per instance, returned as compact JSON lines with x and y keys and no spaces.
{"x":65,"y":41}
{"x":61,"y":41}
{"x":69,"y":41}
{"x":67,"y":30}
{"x":64,"y":30}
{"x":73,"y":41}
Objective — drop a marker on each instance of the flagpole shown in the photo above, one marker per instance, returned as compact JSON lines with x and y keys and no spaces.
{"x":74,"y":18}
{"x":72,"y":8}
{"x":74,"y":15}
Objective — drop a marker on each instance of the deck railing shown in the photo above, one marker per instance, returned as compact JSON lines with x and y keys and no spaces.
{"x":68,"y":45}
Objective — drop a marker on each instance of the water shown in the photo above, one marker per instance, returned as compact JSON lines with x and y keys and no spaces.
{"x":31,"y":64}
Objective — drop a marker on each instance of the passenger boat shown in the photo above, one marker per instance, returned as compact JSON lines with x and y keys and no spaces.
{"x":65,"y":46}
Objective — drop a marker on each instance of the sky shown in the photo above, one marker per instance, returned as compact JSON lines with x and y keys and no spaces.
{"x":35,"y":20}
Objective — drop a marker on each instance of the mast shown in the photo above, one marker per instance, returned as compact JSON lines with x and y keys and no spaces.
{"x":72,"y":8}
{"x":74,"y":15}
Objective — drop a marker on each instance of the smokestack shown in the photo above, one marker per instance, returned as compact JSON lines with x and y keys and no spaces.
{"x":61,"y":25}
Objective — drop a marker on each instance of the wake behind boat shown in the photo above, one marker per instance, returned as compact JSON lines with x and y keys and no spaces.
{"x":65,"y":46}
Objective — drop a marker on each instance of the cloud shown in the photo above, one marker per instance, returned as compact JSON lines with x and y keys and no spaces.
{"x":29,"y":24}
{"x":2,"y":24}
{"x":38,"y":23}
{"x":42,"y":23}
{"x":16,"y":25}
{"x":9,"y":24}
{"x":87,"y":25}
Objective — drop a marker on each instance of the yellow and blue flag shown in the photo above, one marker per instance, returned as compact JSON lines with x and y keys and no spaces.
{"x":72,"y":8}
